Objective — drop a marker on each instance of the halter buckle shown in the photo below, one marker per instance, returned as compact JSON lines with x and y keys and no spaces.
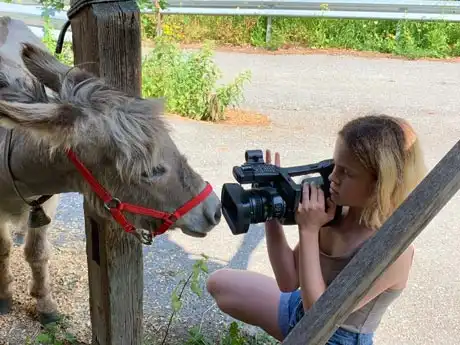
{"x":113,"y":203}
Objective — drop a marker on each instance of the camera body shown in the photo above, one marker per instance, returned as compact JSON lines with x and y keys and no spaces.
{"x":273,"y":193}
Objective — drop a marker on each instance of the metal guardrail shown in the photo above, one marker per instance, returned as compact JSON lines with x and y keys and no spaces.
{"x":353,"y":9}
{"x":425,"y":10}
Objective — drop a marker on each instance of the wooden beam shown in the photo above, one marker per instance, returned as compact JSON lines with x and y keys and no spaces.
{"x":398,"y":232}
{"x":107,"y":42}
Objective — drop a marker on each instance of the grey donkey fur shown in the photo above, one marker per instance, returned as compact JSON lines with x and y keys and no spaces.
{"x":122,"y":140}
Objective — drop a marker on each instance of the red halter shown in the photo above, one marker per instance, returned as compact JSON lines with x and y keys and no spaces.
{"x":115,"y":206}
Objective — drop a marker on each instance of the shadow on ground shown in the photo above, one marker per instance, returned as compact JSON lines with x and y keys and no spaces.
{"x":165,"y":265}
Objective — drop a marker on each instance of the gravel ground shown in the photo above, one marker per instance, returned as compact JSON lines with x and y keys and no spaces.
{"x":308,"y":98}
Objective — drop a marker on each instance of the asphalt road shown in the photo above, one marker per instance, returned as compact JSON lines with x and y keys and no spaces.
{"x":308,"y":98}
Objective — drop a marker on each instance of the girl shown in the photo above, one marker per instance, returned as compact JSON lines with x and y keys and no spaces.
{"x":377,"y":163}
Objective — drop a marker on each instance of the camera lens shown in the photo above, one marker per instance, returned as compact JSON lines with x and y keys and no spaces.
{"x":244,"y":207}
{"x":265,"y":204}
{"x":257,"y":206}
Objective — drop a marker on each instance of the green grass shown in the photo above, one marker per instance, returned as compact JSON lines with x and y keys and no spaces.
{"x":412,"y":39}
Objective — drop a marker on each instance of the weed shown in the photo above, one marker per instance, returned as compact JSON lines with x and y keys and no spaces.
{"x":188,"y":81}
{"x":199,"y":268}
{"x":233,"y":335}
{"x":54,"y":334}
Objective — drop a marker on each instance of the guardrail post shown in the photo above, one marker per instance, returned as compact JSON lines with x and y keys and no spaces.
{"x":268,"y":33}
{"x":159,"y":31}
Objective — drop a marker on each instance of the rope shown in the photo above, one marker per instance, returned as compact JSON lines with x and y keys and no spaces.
{"x":72,"y":12}
{"x":7,"y":165}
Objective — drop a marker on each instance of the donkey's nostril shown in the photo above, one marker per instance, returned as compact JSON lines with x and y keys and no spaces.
{"x":214,"y":218}
{"x":217,"y":215}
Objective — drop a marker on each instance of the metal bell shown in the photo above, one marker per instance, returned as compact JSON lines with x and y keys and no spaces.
{"x":38,"y":217}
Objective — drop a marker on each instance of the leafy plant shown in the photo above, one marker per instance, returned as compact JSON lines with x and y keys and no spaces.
{"x":188,"y":81}
{"x":54,"y":334}
{"x":199,"y":268}
{"x":233,"y":335}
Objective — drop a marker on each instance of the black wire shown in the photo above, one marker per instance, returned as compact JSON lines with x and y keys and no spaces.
{"x":60,"y":40}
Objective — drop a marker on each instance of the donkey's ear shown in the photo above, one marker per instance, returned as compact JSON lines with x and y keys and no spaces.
{"x":44,"y":66}
{"x":55,"y":123}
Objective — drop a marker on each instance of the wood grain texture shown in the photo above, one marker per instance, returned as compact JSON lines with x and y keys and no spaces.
{"x":107,"y":42}
{"x":398,"y":232}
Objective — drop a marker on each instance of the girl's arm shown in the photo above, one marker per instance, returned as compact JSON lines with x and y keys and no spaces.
{"x":282,"y":257}
{"x":310,"y":217}
{"x":311,"y":278}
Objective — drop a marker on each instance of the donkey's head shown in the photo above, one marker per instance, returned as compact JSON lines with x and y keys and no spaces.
{"x":122,"y":140}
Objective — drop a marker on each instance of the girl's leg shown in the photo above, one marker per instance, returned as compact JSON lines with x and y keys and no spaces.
{"x":247,"y":296}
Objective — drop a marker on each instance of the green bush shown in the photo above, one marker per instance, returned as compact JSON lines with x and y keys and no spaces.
{"x":188,"y":81}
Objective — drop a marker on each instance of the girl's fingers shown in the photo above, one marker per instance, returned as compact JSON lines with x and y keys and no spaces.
{"x":268,"y":157}
{"x":320,"y":195}
{"x":306,"y":195}
{"x":314,"y":194}
{"x":277,"y":159}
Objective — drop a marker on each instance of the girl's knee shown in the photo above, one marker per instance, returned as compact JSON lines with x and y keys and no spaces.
{"x":216,"y":282}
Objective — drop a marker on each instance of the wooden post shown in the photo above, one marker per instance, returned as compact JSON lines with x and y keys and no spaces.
{"x":398,"y":232}
{"x":107,"y":41}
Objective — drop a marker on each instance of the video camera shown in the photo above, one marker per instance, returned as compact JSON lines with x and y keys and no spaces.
{"x":273,"y":194}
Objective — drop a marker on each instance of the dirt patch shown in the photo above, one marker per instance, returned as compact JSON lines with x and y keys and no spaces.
{"x":234,"y":117}
{"x":69,"y":284}
{"x":240,"y":117}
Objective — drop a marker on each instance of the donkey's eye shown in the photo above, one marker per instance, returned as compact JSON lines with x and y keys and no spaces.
{"x":3,"y":82}
{"x":155,"y":172}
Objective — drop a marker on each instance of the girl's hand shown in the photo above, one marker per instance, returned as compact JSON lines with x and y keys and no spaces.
{"x":311,"y":215}
{"x":268,"y":158}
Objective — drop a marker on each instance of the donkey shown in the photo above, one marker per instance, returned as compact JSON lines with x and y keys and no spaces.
{"x":83,"y":136}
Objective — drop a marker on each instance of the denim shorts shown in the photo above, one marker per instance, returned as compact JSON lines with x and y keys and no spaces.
{"x":291,"y":311}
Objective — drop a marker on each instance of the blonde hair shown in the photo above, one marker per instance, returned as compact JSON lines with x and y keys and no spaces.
{"x":389,"y":149}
